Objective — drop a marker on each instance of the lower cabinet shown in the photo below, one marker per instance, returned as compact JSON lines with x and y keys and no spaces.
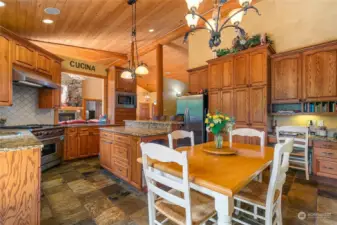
{"x":325,"y":159}
{"x":81,"y":142}
{"x":118,"y":154}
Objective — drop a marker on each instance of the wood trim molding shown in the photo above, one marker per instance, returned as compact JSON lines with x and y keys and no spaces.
{"x":197,"y":68}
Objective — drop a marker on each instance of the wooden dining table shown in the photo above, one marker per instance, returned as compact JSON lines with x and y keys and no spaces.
{"x":220,"y":176}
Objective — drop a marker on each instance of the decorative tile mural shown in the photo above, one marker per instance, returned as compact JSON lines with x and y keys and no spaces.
{"x":25,"y":108}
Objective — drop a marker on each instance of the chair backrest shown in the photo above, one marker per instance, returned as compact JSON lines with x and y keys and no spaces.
{"x":301,"y":142}
{"x":180,"y":134}
{"x":248,"y":132}
{"x":164,"y":154}
{"x":278,"y":175}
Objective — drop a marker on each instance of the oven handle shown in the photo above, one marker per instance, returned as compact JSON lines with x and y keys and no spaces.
{"x":58,"y":138}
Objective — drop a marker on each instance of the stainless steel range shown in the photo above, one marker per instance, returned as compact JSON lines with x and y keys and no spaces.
{"x":52,"y":138}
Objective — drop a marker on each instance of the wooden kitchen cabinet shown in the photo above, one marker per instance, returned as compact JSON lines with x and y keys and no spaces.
{"x":6,"y":90}
{"x":122,"y":114}
{"x":227,"y":73}
{"x":198,"y":79}
{"x":286,"y":78}
{"x":106,"y":149}
{"x":71,"y":145}
{"x":227,"y":104}
{"x":241,"y":106}
{"x":214,"y":102}
{"x":124,"y":85}
{"x":258,"y":67}
{"x":83,"y":142}
{"x":325,"y":159}
{"x":258,"y":106}
{"x":241,"y":70}
{"x":215,"y":76}
{"x":43,"y":63}
{"x":24,"y":55}
{"x":94,"y":141}
{"x":320,"y":74}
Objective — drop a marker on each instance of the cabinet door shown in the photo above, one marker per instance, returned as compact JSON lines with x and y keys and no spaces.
{"x":214,"y":103}
{"x":320,"y":74}
{"x":72,"y":146}
{"x":136,"y":168}
{"x":258,"y":67}
{"x":83,"y":143}
{"x":227,"y":74}
{"x":6,"y":72}
{"x":194,"y":82}
{"x":258,"y":104}
{"x":43,"y":63}
{"x":214,"y":76}
{"x":24,"y":56}
{"x":286,"y":79}
{"x":241,"y":104}
{"x":105,"y":153}
{"x":227,"y":102}
{"x":94,"y":141}
{"x":241,"y":70}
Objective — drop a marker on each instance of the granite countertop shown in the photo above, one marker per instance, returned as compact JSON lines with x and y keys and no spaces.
{"x":312,"y":138}
{"x":138,"y":132}
{"x":155,"y":121}
{"x":24,"y":141}
{"x":86,"y":125}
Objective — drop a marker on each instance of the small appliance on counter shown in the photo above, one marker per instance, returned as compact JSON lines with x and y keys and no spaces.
{"x":321,"y":130}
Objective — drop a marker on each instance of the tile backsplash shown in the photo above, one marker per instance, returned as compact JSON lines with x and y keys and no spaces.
{"x":25,"y":108}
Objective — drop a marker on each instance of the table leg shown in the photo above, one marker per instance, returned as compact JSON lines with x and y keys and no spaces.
{"x":224,"y":206}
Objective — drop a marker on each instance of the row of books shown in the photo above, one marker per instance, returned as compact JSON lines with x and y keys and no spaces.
{"x":320,"y":107}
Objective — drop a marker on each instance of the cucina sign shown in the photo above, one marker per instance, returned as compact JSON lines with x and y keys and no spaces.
{"x":75,"y":65}
{"x":82,"y":65}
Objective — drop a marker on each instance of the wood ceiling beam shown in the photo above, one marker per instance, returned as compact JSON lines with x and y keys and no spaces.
{"x":86,"y":54}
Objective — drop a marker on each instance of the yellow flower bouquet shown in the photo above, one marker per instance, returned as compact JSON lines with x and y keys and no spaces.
{"x":219,"y":124}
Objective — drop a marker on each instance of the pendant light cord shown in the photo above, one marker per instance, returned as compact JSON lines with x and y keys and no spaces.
{"x":134,"y":32}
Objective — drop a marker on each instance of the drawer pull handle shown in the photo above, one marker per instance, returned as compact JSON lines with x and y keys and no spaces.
{"x":327,"y":146}
{"x":327,"y":153}
{"x":107,"y":142}
{"x":329,"y":168}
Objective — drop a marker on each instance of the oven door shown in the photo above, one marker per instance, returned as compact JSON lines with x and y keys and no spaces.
{"x":126,"y":100}
{"x":52,"y":152}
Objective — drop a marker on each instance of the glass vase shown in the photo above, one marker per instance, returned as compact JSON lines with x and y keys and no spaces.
{"x":218,"y":140}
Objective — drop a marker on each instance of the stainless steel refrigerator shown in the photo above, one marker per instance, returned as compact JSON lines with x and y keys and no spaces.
{"x":194,"y":108}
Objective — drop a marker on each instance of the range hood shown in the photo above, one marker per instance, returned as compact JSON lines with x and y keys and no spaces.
{"x":32,"y":80}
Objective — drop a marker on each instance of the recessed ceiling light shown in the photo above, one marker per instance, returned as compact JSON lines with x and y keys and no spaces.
{"x":2,"y":4}
{"x":52,"y":11}
{"x":151,"y":30}
{"x":48,"y":21}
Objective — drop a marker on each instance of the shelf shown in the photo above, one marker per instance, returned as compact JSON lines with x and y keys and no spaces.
{"x":71,"y":108}
{"x":306,"y":114}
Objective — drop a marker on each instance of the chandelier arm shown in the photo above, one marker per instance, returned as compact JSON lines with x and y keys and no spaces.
{"x":218,"y":19}
{"x":201,"y":17}
{"x":229,"y":18}
{"x":191,"y":31}
{"x":255,"y":9}
{"x":233,"y":26}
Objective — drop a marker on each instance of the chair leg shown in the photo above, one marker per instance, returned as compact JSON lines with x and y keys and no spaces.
{"x":238,"y":204}
{"x":255,"y":212}
{"x":279,"y":214}
{"x":152,"y":210}
{"x":307,"y":170}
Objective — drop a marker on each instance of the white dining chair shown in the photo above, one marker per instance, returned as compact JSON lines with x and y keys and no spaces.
{"x":179,"y":204}
{"x":266,"y":197}
{"x":299,"y":159}
{"x":248,"y":132}
{"x":180,"y":134}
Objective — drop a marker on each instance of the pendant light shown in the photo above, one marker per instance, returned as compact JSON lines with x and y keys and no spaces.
{"x":141,"y":69}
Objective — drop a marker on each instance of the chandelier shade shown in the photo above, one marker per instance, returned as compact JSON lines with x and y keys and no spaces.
{"x":243,"y":3}
{"x":236,"y":16}
{"x":192,"y":20}
{"x":127,"y":74}
{"x":142,"y":69}
{"x":193,"y":4}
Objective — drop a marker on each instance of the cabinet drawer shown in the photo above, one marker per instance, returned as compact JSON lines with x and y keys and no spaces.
{"x":71,"y":130}
{"x":121,"y":153}
{"x":120,"y":169}
{"x":107,"y":135}
{"x":83,"y":131}
{"x":325,"y":144}
{"x":122,"y":139}
{"x":324,"y":152}
{"x":328,"y":167}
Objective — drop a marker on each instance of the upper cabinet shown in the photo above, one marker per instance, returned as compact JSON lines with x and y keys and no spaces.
{"x":258,"y":67}
{"x":198,"y":79}
{"x":124,"y":85}
{"x":286,"y":78}
{"x":6,"y":71}
{"x":24,"y":55}
{"x":43,"y":63}
{"x":320,"y":74}
{"x":227,"y":73}
{"x":241,"y":70}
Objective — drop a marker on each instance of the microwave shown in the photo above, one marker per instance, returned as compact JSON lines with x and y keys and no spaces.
{"x":126,"y":100}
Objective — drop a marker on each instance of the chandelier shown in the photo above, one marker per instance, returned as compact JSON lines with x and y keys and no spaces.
{"x":214,"y":25}
{"x":132,"y":71}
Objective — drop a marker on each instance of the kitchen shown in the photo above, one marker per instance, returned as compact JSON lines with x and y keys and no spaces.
{"x":74,"y":113}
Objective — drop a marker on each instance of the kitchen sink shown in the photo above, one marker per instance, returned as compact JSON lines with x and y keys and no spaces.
{"x":9,"y":134}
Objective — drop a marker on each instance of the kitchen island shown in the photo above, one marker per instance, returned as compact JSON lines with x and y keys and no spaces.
{"x":20,"y":177}
{"x":120,"y":148}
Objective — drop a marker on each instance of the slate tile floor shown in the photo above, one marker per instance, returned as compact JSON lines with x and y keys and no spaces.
{"x":81,"y":193}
